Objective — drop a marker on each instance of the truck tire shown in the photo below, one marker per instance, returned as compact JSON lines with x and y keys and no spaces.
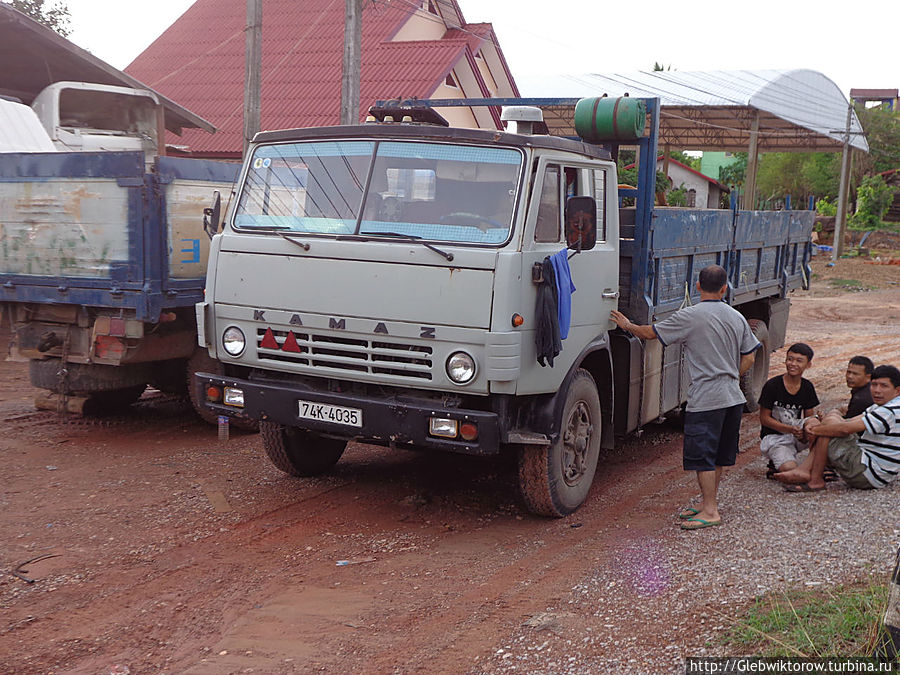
{"x":298,"y":452}
{"x":554,"y":480}
{"x":202,"y":362}
{"x":753,"y":380}
{"x":86,"y":378}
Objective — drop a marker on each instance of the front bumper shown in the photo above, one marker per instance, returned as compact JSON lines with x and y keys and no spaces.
{"x":387,"y":420}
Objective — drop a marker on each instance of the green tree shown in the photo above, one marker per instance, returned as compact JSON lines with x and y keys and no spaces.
{"x":687,"y":160}
{"x":822,"y":173}
{"x":882,"y":127}
{"x":734,"y":173}
{"x":55,"y":16}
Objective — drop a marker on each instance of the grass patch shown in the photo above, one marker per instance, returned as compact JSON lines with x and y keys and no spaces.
{"x":843,"y":621}
{"x":850,"y":285}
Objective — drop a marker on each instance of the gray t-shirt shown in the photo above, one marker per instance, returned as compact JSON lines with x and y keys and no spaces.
{"x":715,"y":336}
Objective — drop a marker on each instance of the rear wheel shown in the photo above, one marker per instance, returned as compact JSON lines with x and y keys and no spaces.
{"x":554,"y":480}
{"x":753,"y":380}
{"x":298,"y":452}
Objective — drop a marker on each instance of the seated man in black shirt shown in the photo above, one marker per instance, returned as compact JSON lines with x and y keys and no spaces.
{"x":785,"y":403}
{"x":858,"y":376}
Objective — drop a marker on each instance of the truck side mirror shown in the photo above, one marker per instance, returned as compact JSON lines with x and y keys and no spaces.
{"x":212,"y":215}
{"x":581,"y":223}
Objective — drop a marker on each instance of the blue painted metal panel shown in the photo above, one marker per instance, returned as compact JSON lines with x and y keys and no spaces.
{"x":685,"y":228}
{"x":139,"y":282}
{"x":35,"y":165}
{"x":214,"y":171}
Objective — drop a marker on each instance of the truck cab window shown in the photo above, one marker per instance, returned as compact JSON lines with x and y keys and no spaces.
{"x":546,"y":228}
{"x":600,"y":178}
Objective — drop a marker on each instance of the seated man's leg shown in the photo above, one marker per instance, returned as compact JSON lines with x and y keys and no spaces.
{"x":845,"y":456}
{"x":832,"y":417}
{"x":781,"y":449}
{"x":810,"y":470}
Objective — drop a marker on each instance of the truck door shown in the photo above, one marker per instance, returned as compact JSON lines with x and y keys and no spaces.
{"x":594,"y":273}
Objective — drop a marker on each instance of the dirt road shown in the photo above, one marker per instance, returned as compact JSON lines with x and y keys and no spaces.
{"x":176,"y":553}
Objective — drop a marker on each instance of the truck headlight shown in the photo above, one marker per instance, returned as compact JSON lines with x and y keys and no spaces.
{"x":460,"y":367}
{"x":233,"y":340}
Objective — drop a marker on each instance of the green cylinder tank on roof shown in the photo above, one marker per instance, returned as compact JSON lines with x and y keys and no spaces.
{"x":610,"y":119}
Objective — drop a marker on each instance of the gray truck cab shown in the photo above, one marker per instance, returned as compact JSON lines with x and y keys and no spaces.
{"x":380,"y":283}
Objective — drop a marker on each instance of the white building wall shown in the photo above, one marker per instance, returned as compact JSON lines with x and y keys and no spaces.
{"x":681,"y":176}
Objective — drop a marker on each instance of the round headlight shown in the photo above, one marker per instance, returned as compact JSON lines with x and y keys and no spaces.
{"x":233,"y":340}
{"x":461,"y":367}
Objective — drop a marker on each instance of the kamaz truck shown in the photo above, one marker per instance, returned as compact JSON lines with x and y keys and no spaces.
{"x":386,"y":283}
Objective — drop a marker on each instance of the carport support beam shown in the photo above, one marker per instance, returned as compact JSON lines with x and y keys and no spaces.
{"x":749,"y":197}
{"x":837,"y":250}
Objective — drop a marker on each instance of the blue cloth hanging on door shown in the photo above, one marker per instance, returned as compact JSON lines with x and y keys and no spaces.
{"x":564,"y":290}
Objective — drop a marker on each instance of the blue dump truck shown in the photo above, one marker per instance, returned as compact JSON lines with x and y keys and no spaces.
{"x":102,"y":259}
{"x":388,"y":282}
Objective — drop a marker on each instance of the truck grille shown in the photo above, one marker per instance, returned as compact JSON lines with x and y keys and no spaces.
{"x":375,"y":356}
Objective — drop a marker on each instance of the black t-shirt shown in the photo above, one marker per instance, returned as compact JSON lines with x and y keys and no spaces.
{"x":860,"y":399}
{"x":786,"y":408}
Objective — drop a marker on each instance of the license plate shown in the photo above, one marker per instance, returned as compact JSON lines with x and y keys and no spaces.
{"x":336,"y":414}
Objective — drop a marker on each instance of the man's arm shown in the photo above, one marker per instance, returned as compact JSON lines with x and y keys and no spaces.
{"x":835,"y":429}
{"x":622,"y":321}
{"x":746,"y":362}
{"x":766,"y":420}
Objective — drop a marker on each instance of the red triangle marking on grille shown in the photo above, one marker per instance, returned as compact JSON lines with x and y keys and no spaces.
{"x":290,"y":344}
{"x":268,"y":340}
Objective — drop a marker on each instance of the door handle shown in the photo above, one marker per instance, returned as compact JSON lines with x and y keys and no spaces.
{"x":610,"y":295}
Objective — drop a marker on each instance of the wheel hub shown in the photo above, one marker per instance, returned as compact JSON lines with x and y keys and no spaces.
{"x":576,"y":440}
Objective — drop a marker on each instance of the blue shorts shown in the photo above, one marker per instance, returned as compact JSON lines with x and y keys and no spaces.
{"x":711,"y":438}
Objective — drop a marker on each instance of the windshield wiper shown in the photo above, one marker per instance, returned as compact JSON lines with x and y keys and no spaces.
{"x":301,"y":244}
{"x":411,"y":237}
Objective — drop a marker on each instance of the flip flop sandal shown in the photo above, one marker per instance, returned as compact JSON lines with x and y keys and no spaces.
{"x":699,"y":524}
{"x":802,"y":487}
{"x":688,"y":513}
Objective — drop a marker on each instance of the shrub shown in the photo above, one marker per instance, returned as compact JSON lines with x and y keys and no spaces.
{"x":873,"y":199}
{"x":824,"y":207}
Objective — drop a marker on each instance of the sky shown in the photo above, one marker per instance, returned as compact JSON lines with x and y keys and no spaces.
{"x":854,"y":44}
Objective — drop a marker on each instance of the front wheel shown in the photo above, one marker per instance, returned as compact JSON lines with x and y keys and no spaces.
{"x":298,"y":452}
{"x":554,"y":480}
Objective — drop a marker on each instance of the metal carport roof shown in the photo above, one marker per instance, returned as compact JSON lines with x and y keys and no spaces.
{"x":34,"y":56}
{"x":798,"y":110}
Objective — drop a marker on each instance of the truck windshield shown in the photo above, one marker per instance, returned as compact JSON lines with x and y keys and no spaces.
{"x":432,"y":191}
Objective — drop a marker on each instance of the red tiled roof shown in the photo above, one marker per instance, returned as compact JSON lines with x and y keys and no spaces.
{"x":199,"y":62}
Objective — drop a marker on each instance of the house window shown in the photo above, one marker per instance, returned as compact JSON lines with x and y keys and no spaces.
{"x":692,"y":198}
{"x":450,"y":82}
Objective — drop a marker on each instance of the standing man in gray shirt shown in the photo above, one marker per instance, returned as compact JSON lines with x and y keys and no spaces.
{"x":719,"y":347}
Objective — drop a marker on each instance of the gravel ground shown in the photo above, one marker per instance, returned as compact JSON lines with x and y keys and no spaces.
{"x":770,"y":541}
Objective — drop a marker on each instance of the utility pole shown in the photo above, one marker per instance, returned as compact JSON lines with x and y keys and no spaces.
{"x":838,"y":248}
{"x":351,"y":63}
{"x":253,"y":66}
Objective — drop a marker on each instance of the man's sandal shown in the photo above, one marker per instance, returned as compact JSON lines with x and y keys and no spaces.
{"x":688,"y":513}
{"x":699,"y":524}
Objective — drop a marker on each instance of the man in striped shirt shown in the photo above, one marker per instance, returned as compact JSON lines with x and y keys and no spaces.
{"x":866,"y":461}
